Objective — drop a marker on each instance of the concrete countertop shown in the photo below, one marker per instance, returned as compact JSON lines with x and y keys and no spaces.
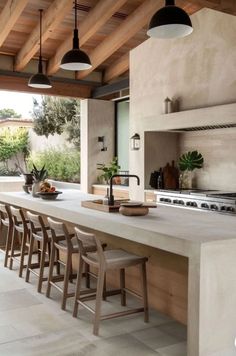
{"x":168,"y":228}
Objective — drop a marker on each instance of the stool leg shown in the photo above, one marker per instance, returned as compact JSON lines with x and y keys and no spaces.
{"x":42,"y":262}
{"x":78,"y":286}
{"x":22,"y":255}
{"x":39,"y":252}
{"x":8,"y":243}
{"x":122,"y":286}
{"x":87,"y":276}
{"x":31,"y":250}
{"x":100,"y":284}
{"x":144,"y":291}
{"x":50,"y":273}
{"x":58,"y":264}
{"x":12,"y":248}
{"x":66,"y":280}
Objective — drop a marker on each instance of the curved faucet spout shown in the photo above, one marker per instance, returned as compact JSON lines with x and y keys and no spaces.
{"x":111,"y":196}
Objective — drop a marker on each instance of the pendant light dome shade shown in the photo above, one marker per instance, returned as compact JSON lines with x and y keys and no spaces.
{"x":170,"y":22}
{"x":40,"y":80}
{"x":75,"y":59}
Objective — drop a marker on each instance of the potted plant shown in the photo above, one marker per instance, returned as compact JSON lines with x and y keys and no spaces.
{"x":39,"y":175}
{"x":188,"y":162}
{"x":108,"y":170}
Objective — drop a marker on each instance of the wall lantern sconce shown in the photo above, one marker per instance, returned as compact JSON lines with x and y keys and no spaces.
{"x":135,"y":142}
{"x":102,"y":140}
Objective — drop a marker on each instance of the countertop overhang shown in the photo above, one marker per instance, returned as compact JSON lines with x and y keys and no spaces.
{"x":172,"y":229}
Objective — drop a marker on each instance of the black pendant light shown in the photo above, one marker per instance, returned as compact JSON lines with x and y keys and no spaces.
{"x":170,"y":22}
{"x":40,"y":80}
{"x":75,"y":59}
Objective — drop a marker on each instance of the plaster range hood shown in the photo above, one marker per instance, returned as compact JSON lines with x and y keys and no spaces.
{"x":209,"y":118}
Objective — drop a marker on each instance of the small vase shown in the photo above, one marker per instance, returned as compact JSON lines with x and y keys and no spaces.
{"x":186,"y":180}
{"x":35,"y":189}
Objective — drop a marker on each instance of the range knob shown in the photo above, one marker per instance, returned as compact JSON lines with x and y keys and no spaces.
{"x":214,"y":207}
{"x":194,"y":204}
{"x":167,"y":200}
{"x":223,"y":208}
{"x":181,"y":202}
{"x":230,"y":209}
{"x":204,"y":206}
{"x":162,"y":199}
{"x":176,"y":201}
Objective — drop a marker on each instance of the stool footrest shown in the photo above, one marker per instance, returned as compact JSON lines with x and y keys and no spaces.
{"x":122,"y":313}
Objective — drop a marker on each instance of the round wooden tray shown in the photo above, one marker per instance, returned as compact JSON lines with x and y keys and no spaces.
{"x":134,"y":211}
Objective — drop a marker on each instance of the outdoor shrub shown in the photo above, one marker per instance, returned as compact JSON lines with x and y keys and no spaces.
{"x":63,"y":165}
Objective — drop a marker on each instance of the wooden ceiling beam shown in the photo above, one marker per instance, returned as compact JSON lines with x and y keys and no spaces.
{"x":52,"y":17}
{"x":8,"y":17}
{"x":95,"y":19}
{"x":133,"y":23}
{"x":59,"y":88}
{"x":228,"y":6}
{"x":117,"y":68}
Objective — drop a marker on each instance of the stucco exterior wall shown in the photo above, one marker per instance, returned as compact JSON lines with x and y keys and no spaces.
{"x":97,"y":119}
{"x":199,"y":70}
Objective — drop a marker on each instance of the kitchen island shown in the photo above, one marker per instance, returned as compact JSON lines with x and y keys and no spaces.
{"x":206,"y":239}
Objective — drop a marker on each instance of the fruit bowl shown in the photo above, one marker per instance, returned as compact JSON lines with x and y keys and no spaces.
{"x":49,"y":195}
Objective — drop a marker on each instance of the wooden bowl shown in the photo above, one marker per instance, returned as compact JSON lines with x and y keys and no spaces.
{"x":49,"y":195}
{"x":134,"y":210}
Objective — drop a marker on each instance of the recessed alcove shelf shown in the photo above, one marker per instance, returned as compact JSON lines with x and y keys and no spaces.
{"x":219,"y":115}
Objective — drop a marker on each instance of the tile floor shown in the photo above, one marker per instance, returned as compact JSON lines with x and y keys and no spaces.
{"x":33,"y":325}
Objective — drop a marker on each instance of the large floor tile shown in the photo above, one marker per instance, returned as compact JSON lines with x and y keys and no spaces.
{"x":17,"y":299}
{"x":179,"y":349}
{"x":121,"y":345}
{"x":155,"y":338}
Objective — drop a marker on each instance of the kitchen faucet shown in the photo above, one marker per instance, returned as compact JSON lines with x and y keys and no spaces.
{"x":111,"y":196}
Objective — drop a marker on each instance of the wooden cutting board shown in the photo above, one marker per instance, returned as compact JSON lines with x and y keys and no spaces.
{"x":170,"y":176}
{"x":98,"y":205}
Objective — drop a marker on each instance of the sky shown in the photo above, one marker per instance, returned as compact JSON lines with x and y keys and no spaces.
{"x":22,"y":103}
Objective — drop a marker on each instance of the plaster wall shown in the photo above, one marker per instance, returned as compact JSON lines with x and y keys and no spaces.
{"x":97,"y":119}
{"x":196,"y":69}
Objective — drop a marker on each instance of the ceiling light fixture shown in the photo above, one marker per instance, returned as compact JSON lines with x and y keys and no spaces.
{"x":40,"y":80}
{"x":75,"y":59}
{"x":170,"y":22}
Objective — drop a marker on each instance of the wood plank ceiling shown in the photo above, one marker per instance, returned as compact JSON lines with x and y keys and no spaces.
{"x":108,"y":30}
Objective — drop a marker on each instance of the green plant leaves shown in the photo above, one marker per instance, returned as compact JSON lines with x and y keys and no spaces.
{"x":109,"y":170}
{"x":190,"y":161}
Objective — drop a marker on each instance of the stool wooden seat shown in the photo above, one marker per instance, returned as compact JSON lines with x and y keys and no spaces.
{"x":6,"y":221}
{"x":21,"y":228}
{"x":67,"y":244}
{"x":42,"y":235}
{"x":105,"y":261}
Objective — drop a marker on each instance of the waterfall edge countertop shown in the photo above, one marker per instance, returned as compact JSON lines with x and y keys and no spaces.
{"x":168,"y":228}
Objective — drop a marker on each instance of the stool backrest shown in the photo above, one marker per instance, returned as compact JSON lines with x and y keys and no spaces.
{"x":19,"y":220}
{"x":86,"y":238}
{"x":5,"y":214}
{"x":36,"y":224}
{"x":60,"y":232}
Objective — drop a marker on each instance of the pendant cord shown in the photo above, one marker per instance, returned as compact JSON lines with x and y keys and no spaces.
{"x":76,"y":26}
{"x":40,"y":69}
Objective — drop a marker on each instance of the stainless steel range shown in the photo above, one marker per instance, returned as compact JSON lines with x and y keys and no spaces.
{"x":223,"y":202}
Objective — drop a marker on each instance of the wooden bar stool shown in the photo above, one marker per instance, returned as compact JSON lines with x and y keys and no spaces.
{"x":105,"y":261}
{"x":6,"y":221}
{"x":65,"y":243}
{"x":42,"y":235}
{"x":21,"y":235}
